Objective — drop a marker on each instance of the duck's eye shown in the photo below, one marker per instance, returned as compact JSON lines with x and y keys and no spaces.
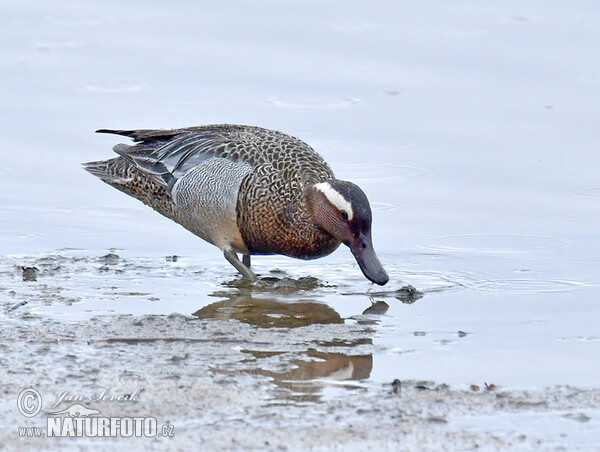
{"x":344,"y":215}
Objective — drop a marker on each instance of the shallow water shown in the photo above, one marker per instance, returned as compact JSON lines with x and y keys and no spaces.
{"x":471,"y":127}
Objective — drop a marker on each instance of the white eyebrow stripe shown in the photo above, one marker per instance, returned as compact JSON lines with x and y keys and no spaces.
{"x":335,"y":198}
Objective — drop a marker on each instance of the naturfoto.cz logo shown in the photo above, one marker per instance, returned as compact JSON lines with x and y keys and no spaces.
{"x":78,"y":420}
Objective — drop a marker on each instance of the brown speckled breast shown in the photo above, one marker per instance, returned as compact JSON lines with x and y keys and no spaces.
{"x":273,"y":217}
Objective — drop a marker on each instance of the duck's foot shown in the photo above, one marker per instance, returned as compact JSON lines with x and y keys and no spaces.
{"x":233,"y":259}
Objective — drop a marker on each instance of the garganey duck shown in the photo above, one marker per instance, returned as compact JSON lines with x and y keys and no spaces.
{"x":246,"y":190}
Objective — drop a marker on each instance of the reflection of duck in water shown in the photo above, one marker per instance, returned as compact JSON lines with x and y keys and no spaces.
{"x":269,"y":313}
{"x":245,"y":190}
{"x":319,"y":364}
{"x":329,"y":366}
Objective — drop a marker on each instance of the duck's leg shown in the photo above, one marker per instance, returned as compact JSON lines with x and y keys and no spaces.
{"x":231,"y":256}
{"x":246,"y":260}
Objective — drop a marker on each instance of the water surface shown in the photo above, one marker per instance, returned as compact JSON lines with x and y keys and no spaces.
{"x":471,"y":127}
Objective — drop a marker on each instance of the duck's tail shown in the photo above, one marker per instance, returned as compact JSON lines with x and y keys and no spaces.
{"x":126,"y":177}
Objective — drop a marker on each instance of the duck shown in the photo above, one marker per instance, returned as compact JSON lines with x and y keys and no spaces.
{"x":245,"y":189}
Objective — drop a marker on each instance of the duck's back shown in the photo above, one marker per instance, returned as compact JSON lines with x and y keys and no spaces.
{"x":181,"y":149}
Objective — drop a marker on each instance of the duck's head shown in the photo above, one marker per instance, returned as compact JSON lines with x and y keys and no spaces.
{"x":343,"y":210}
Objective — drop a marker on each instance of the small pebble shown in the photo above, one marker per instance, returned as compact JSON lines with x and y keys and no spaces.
{"x":30,"y":273}
{"x":110,"y":258}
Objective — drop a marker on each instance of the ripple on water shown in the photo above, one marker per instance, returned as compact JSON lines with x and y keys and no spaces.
{"x":530,"y":286}
{"x":437,"y":281}
{"x":352,"y":26}
{"x":314,"y":103}
{"x":387,"y":206}
{"x":425,"y":282}
{"x":57,"y":45}
{"x":433,"y":281}
{"x":495,"y":243}
{"x":79,"y":22}
{"x":12,"y":235}
{"x":383,"y":172}
{"x":113,"y":87}
{"x":587,"y":191}
{"x":576,"y":216}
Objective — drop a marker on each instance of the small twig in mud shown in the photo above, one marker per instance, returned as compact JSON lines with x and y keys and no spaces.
{"x":16,"y":306}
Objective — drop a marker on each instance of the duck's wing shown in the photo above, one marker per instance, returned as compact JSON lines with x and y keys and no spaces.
{"x":170,"y":154}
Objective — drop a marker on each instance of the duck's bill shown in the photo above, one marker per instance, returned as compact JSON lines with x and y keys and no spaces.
{"x":363,"y":251}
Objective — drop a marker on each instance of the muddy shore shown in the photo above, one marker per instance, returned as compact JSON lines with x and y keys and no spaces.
{"x":224,"y":384}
